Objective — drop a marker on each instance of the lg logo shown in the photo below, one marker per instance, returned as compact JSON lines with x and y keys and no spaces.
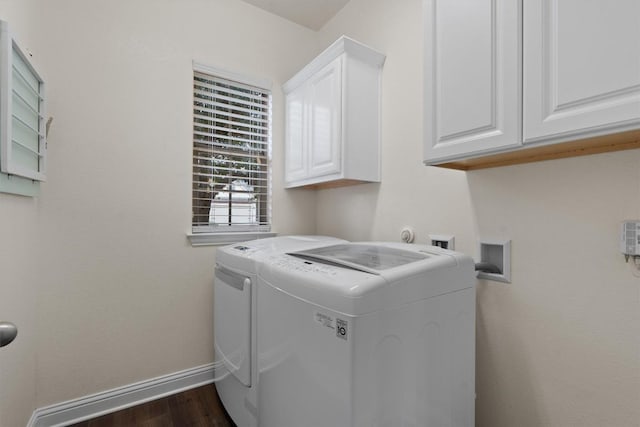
{"x":341,"y":329}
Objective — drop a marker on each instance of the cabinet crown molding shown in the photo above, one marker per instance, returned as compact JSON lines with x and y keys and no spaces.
{"x":344,"y":44}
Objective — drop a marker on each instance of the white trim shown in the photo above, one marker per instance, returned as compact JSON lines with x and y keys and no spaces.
{"x":219,"y":239}
{"x":343,"y":45}
{"x":262,"y":83}
{"x":95,"y":405}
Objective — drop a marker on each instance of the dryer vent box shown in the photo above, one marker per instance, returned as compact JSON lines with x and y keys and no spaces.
{"x":497,"y":253}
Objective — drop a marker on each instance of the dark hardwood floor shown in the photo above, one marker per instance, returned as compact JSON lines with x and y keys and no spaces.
{"x":196,"y":407}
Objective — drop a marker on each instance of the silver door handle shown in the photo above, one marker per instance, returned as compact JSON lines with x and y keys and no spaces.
{"x":8,"y":333}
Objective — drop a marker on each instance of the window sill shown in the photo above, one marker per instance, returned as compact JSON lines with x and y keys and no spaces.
{"x":220,"y":239}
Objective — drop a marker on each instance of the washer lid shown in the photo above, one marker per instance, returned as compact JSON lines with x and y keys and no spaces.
{"x":359,"y":278}
{"x":364,"y":257}
{"x":244,"y":256}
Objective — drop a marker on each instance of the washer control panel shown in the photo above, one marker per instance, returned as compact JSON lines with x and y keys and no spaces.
{"x":292,"y":263}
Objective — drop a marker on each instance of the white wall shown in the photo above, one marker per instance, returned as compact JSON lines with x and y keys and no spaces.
{"x":123,"y":297}
{"x":18,"y":280}
{"x":559,"y":346}
{"x":18,"y":284}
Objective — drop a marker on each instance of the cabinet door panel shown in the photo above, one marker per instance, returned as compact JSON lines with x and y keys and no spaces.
{"x":325,"y":109}
{"x":472,"y":69}
{"x":581,"y":67}
{"x":296,"y":149}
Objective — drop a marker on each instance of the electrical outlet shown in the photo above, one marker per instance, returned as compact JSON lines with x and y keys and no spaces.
{"x":444,"y":241}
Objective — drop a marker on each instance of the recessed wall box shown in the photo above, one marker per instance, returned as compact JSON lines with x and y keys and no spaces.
{"x":498,"y":253}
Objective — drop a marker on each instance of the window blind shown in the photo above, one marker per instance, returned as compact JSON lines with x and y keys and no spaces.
{"x":231,"y":155}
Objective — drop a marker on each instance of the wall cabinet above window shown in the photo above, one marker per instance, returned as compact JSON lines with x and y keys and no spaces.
{"x":23,"y":143}
{"x":333,"y":118}
{"x":511,"y":81}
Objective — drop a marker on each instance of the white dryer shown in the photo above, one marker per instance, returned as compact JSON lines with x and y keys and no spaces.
{"x":235,"y":320}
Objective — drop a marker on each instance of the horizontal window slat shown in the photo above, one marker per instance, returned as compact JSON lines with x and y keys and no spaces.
{"x":257,"y":150}
{"x":235,"y":123}
{"x":226,"y":128}
{"x":247,"y":147}
{"x":223,"y":108}
{"x":245,"y":117}
{"x":240,"y":88}
{"x":229,"y":138}
{"x":199,"y":187}
{"x":231,"y":89}
{"x":224,"y":102}
{"x":226,"y":177}
{"x":198,"y":192}
{"x":227,"y":146}
{"x":253,"y":166}
{"x":26,"y":104}
{"x":27,"y":148}
{"x":223,"y":179}
{"x":35,"y":91}
{"x":257,"y":158}
{"x":207,"y":96}
{"x":208,"y":170}
{"x":207,"y":202}
{"x":257,"y":184}
{"x":244,"y":163}
{"x":237,"y":224}
{"x":240,"y":85}
{"x":263,"y":136}
{"x":203,"y":221}
{"x":217,"y":228}
{"x":231,"y":150}
{"x":224,"y":105}
{"x":30,"y":121}
{"x":261,"y":118}
{"x":26,"y":125}
{"x":195,"y":190}
{"x":222,"y":226}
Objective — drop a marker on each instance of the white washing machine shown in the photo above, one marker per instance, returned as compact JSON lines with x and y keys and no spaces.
{"x":235,"y":320}
{"x":359,"y":334}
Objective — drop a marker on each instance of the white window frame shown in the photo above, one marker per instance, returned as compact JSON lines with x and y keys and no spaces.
{"x":8,"y":161}
{"x":211,"y":235}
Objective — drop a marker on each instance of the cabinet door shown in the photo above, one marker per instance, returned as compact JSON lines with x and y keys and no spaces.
{"x":581,"y":67}
{"x":295,"y":138}
{"x":472,"y":77}
{"x":325,"y":112}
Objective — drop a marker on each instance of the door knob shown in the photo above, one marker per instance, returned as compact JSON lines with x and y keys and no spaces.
{"x":8,"y":332}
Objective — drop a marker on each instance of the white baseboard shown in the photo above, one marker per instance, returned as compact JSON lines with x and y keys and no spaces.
{"x":74,"y":411}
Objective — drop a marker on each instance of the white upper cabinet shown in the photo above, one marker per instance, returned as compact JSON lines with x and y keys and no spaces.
{"x":558,"y":78}
{"x":333,"y":118}
{"x":472,"y":77}
{"x":581,"y":67}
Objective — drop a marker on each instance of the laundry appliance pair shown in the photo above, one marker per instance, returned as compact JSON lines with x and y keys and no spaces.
{"x":316,"y":331}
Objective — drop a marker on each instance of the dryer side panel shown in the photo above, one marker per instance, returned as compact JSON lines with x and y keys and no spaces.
{"x":232,"y":322}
